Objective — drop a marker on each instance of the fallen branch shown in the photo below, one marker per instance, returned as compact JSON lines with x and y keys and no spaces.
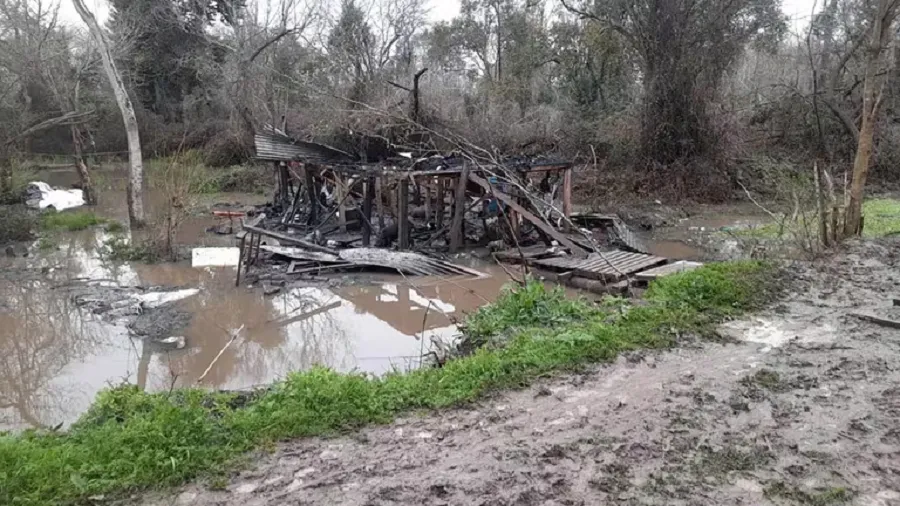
{"x":884,"y":322}
{"x":234,"y":336}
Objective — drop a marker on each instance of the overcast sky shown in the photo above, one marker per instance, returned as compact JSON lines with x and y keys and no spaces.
{"x":799,"y":10}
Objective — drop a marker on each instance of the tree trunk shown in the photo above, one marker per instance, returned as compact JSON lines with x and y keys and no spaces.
{"x":136,"y":176}
{"x":87,"y":186}
{"x":872,"y":95}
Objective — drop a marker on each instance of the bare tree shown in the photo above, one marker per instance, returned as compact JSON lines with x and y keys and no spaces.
{"x":873,"y":93}
{"x":136,"y":165}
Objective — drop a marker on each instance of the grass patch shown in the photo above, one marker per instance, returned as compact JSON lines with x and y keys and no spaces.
{"x":829,"y":497}
{"x":882,"y":218}
{"x":70,"y":221}
{"x":131,"y":440}
{"x":766,"y":379}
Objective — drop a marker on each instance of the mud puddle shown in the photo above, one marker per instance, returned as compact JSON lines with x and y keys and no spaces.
{"x":72,"y":323}
{"x":703,"y":235}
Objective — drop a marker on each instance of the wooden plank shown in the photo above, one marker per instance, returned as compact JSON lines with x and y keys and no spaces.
{"x":403,"y":214}
{"x":667,"y":270}
{"x":367,"y":210}
{"x":537,"y":222}
{"x":459,"y":203}
{"x":290,"y":240}
{"x":567,"y":193}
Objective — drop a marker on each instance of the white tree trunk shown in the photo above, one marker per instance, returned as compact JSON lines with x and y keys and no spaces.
{"x":136,"y":172}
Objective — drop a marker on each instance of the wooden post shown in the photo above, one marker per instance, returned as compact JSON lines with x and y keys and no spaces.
{"x":567,"y":193}
{"x":313,"y":196}
{"x":237,"y":281}
{"x":439,"y":211}
{"x":367,"y":210}
{"x":459,"y":211}
{"x":379,"y":199}
{"x":426,"y":187}
{"x":339,"y":193}
{"x":403,"y":214}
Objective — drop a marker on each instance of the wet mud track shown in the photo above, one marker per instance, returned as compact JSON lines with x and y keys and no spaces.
{"x":805,"y":412}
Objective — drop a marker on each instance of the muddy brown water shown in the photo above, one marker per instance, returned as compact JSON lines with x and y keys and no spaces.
{"x":56,"y":356}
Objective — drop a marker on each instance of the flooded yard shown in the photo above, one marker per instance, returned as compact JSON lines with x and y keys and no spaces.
{"x":57,"y":355}
{"x":73,"y":323}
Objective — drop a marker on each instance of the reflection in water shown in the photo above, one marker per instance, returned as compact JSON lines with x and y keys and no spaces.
{"x":55,"y":356}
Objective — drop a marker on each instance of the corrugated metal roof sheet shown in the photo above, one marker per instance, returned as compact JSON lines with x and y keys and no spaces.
{"x":276,"y":148}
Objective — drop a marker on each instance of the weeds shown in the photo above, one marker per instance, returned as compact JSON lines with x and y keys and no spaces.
{"x":16,"y":223}
{"x":131,"y":439}
{"x":119,"y":249}
{"x":764,"y":378}
{"x":829,"y":497}
{"x":70,"y":221}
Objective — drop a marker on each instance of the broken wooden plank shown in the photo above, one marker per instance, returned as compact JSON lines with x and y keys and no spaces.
{"x":884,"y":322}
{"x":667,"y":270}
{"x":290,"y":240}
{"x":537,"y":222}
{"x":456,"y":226}
{"x":567,"y":193}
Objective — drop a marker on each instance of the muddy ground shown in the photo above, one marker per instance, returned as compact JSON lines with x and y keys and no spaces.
{"x":804,"y":409}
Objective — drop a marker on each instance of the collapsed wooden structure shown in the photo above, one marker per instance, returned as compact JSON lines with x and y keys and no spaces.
{"x":331,"y":208}
{"x":413,"y":202}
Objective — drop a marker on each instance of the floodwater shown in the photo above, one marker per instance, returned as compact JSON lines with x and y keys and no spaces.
{"x":55,"y":356}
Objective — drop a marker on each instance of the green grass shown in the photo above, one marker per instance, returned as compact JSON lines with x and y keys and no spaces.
{"x":130,"y":440}
{"x":71,"y":221}
{"x":781,"y":492}
{"x":882,"y":218}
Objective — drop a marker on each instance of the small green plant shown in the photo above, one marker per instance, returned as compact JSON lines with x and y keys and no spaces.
{"x":119,"y":249}
{"x":828,"y":497}
{"x":17,"y":223}
{"x":764,"y":378}
{"x":47,"y":243}
{"x":115,"y":227}
{"x":71,"y":221}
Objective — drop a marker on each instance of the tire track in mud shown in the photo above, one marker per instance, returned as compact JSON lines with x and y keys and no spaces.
{"x":809,"y":413}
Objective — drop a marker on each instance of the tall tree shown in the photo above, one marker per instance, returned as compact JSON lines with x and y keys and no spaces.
{"x":168,"y":47}
{"x":135,"y":159}
{"x":877,"y":55}
{"x":684,"y":48}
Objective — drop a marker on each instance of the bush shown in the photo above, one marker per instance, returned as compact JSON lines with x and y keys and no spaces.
{"x":16,"y":223}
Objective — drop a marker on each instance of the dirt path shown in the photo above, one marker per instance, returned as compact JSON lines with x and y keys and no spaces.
{"x":807,"y":413}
